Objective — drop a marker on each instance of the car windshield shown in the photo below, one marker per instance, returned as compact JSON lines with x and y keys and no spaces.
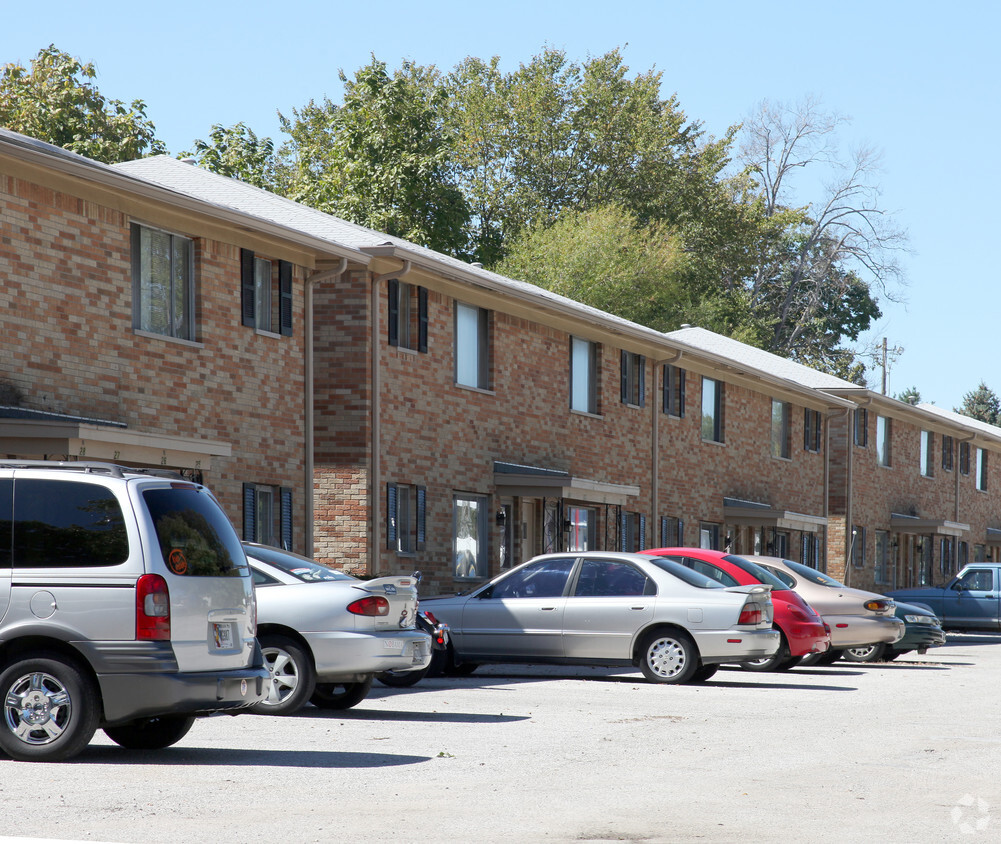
{"x":303,"y":568}
{"x":692,"y":578}
{"x":813,"y":575}
{"x":756,"y":571}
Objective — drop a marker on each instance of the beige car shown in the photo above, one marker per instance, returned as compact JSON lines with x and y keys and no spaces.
{"x":855,"y":617}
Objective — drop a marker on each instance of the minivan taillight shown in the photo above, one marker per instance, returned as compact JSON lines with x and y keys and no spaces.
{"x":751,"y":614}
{"x":370,"y":605}
{"x":152,"y":608}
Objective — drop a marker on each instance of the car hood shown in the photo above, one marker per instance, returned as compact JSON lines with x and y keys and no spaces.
{"x":917,"y":593}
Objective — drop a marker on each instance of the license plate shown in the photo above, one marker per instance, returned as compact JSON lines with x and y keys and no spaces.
{"x":222,"y":634}
{"x":393,"y":644}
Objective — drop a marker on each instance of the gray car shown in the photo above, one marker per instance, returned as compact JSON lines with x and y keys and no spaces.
{"x":607,"y":608}
{"x":326,"y":634}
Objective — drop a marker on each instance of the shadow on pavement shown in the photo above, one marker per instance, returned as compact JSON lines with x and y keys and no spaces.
{"x":180,"y":755}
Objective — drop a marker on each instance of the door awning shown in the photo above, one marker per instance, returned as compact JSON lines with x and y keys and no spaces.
{"x":736,"y":511}
{"x":34,"y":433}
{"x":538,"y":482}
{"x":902,"y":523}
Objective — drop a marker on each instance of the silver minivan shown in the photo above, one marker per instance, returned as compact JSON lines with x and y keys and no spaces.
{"x":126,"y":603}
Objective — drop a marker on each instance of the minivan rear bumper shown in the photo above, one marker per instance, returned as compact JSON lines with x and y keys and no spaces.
{"x":141,"y":680}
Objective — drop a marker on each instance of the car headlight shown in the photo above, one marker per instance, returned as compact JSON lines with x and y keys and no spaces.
{"x":921,"y":619}
{"x":880,"y":605}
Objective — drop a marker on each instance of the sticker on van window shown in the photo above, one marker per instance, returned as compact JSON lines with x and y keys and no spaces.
{"x":177,"y":561}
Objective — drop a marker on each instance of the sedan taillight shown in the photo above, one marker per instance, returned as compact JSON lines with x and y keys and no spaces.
{"x":751,"y":613}
{"x":369,"y":605}
{"x":152,"y":608}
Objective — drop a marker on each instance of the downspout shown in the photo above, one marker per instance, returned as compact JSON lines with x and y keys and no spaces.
{"x":376,"y":461}
{"x":655,"y":446}
{"x":311,"y":282}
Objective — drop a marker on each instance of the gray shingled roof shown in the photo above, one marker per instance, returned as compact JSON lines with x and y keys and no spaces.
{"x":758,"y":359}
{"x":992,"y":431}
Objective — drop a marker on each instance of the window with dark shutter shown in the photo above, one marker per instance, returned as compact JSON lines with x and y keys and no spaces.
{"x":247,"y":287}
{"x":641,"y":534}
{"x":422,"y":319}
{"x":393,"y":294}
{"x":391,"y":515}
{"x":250,"y":512}
{"x":421,"y":518}
{"x":285,"y":526}
{"x":285,"y":298}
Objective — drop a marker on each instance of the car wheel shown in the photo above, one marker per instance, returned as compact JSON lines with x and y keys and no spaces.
{"x":151,"y":733}
{"x":340,"y":695}
{"x":292,"y":676}
{"x":51,"y":709}
{"x":866,"y":653}
{"x":451,"y":668}
{"x":776,"y":662}
{"x":703,"y":672}
{"x":402,"y":679}
{"x":827,"y":658}
{"x":668,"y":656}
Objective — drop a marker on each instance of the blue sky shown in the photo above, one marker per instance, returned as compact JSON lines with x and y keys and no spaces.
{"x":920,"y":81}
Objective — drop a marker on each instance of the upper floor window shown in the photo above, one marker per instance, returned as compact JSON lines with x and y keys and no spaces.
{"x":583,"y":375}
{"x":472,"y":346}
{"x":947,"y":450}
{"x":674,"y":391}
{"x":883,"y":440}
{"x":266,"y":293}
{"x":163,"y":283}
{"x":964,"y":458}
{"x":408,"y":315}
{"x":927,"y":454}
{"x":812,"y":424}
{"x":712,"y":410}
{"x":780,"y":428}
{"x":861,"y":427}
{"x":633,"y":375}
{"x":981,"y":469}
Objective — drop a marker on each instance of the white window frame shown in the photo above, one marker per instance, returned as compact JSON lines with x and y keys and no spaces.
{"x":780,"y":429}
{"x":472,"y":348}
{"x":583,"y":375}
{"x":163,"y":297}
{"x":884,"y":452}
{"x":712,"y":410}
{"x":469,"y":535}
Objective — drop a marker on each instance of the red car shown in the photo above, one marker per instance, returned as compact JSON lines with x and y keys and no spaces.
{"x":803,"y":631}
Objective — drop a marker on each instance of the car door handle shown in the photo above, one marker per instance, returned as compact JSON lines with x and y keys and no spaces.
{"x":547,"y":609}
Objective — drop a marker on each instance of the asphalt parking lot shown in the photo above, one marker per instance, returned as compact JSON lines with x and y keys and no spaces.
{"x":901,"y":752}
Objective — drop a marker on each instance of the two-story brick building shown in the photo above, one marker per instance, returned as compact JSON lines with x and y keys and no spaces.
{"x":386,"y":407}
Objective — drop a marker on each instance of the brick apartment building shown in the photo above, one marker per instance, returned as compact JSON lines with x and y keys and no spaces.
{"x":385,"y":407}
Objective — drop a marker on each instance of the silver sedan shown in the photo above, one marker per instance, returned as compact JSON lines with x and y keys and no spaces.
{"x":326,"y":634}
{"x":605,"y":608}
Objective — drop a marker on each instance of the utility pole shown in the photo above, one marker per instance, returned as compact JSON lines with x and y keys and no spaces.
{"x":884,"y":366}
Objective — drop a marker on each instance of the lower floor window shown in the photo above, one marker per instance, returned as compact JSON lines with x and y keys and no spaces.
{"x":581,"y":528}
{"x":882,"y":558}
{"x":469,"y":532}
{"x":267,"y":515}
{"x":709,"y":535}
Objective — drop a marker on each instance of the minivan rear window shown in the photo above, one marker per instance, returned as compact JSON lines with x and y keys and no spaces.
{"x":195,"y":536}
{"x":66,"y":524}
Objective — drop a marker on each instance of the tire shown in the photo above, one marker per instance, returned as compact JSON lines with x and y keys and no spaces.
{"x":340,"y":695}
{"x":51,"y":709}
{"x":778,"y":661}
{"x":292,"y":676}
{"x":703,"y":672}
{"x":827,"y":658}
{"x":866,"y":653}
{"x":402,"y":679}
{"x":668,"y":656}
{"x":450,"y":668}
{"x":151,"y":733}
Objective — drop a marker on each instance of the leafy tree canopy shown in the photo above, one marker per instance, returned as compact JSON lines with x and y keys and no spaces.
{"x":56,"y":102}
{"x":911,"y":395}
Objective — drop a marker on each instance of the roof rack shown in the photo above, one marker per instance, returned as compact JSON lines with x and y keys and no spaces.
{"x":112,"y":469}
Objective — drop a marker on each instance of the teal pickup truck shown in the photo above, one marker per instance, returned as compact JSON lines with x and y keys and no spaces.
{"x":970,"y":601}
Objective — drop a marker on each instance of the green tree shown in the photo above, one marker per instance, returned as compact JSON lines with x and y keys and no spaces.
{"x":983,"y":404}
{"x":911,"y":395}
{"x":605,"y":258}
{"x":237,"y":152}
{"x":382,"y":158}
{"x":56,"y":102}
